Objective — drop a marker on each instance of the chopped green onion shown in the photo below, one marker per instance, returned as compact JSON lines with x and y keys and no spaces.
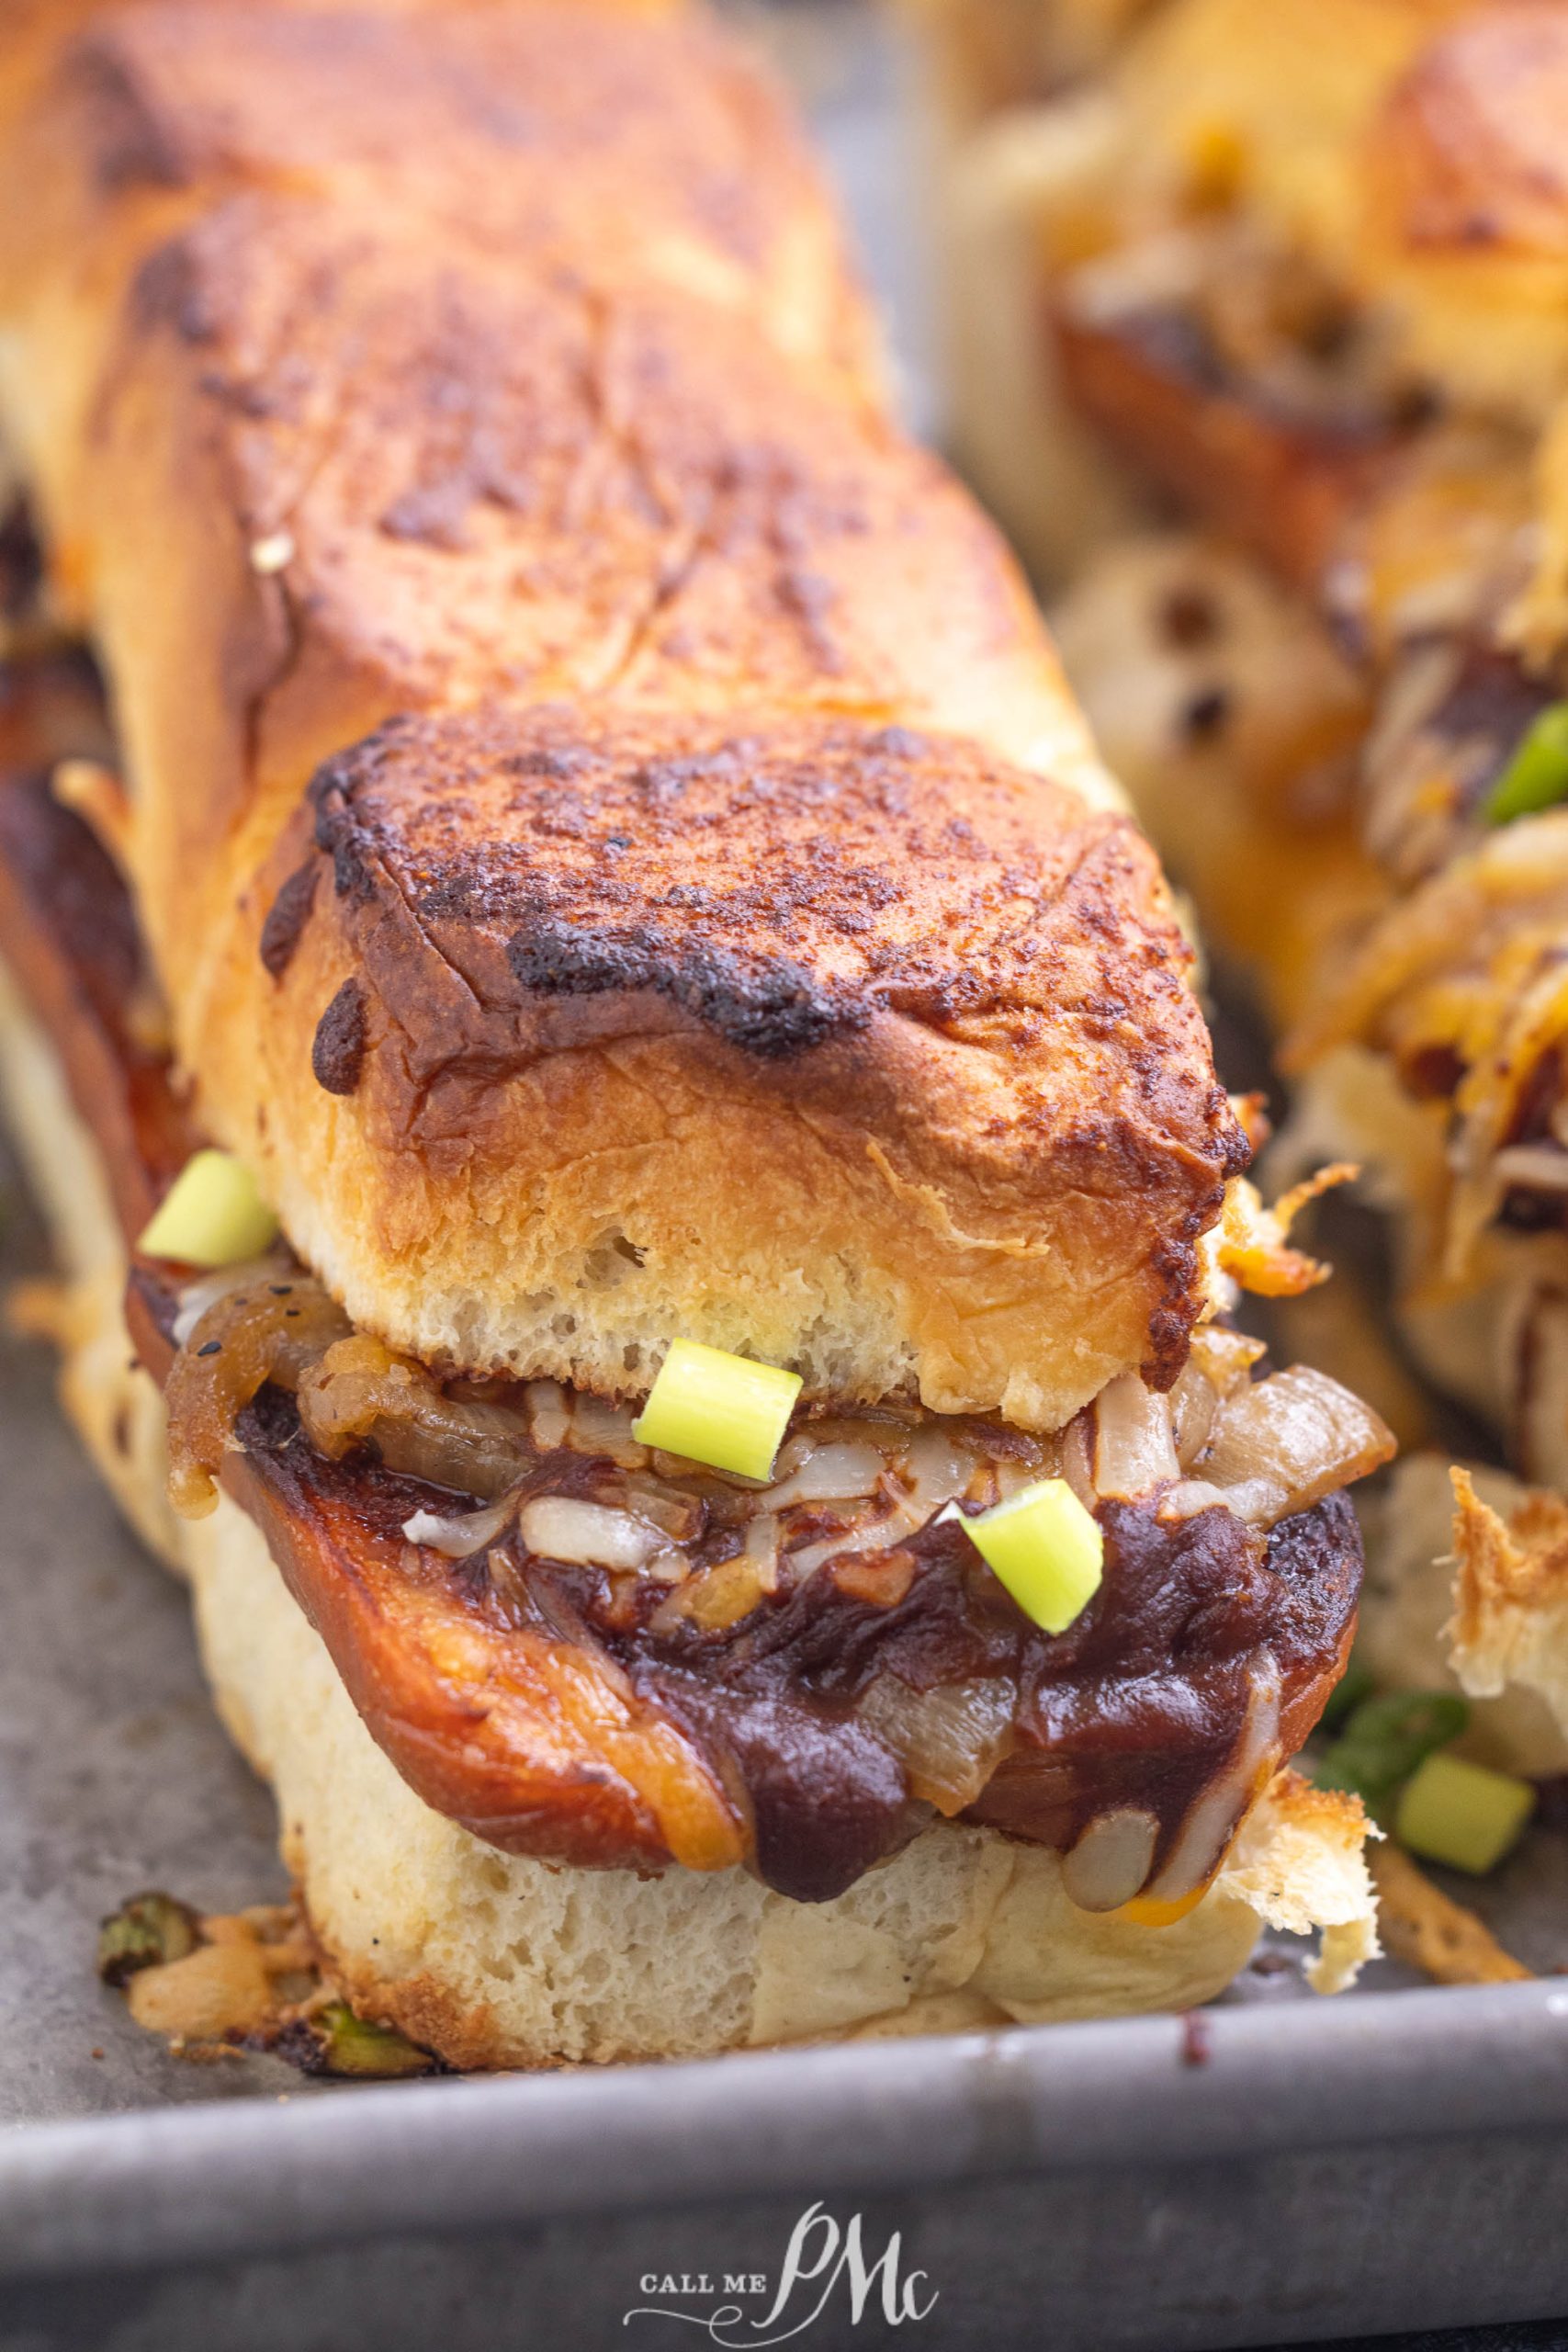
{"x":1536,"y":777}
{"x":1047,"y":1548}
{"x":1386,"y":1739}
{"x":721,"y":1409}
{"x":212,"y":1215}
{"x":147,"y":1931}
{"x":351,"y":2045}
{"x":1462,"y":1814}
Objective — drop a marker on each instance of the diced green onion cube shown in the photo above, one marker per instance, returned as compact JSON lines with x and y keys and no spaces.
{"x":1536,"y":777}
{"x":719,"y":1409}
{"x":1047,"y":1548}
{"x":1460,"y":1812}
{"x":212,"y":1215}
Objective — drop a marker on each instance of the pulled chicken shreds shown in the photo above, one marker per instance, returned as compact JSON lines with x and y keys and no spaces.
{"x":1510,"y":1620}
{"x":1251,"y":1243}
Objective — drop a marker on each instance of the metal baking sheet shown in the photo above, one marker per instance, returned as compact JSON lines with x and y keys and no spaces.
{"x":1294,"y":2170}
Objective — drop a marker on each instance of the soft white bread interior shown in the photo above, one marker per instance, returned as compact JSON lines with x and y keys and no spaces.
{"x":496,"y":1959}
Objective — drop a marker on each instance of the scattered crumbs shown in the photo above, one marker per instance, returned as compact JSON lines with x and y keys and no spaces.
{"x":1422,"y":1925}
{"x":213,"y":1986}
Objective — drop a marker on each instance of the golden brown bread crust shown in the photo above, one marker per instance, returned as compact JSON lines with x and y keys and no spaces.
{"x":888,"y":980}
{"x":351,"y":384}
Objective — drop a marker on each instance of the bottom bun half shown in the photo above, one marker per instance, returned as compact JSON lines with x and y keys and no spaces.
{"x":493,"y":1960}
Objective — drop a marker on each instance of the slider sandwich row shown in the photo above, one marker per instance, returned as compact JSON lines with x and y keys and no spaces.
{"x":576,"y":980}
{"x":1298,"y":273}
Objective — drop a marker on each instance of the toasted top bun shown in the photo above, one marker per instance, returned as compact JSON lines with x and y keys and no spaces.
{"x":1413,"y":146}
{"x":734,"y":935}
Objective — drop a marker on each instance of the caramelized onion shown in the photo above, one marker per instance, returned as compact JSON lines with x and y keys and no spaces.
{"x":1077,"y":1457}
{"x":679,"y":1516}
{"x":598,"y":1427}
{"x":560,"y":1527}
{"x":949,"y":1740}
{"x":249,"y":1336}
{"x":933,"y":1469}
{"x":1132,"y":1448}
{"x":254,"y":1274}
{"x":1280,"y":1444}
{"x":550,"y":1416}
{"x":1189,"y":1496}
{"x":463,"y":1535}
{"x":718,"y":1597}
{"x":361,"y":1393}
{"x":1212,"y":1820}
{"x":1224,"y":1358}
{"x":830,"y":1474}
{"x":859,"y":1531}
{"x":1193,"y":1403}
{"x":1111,"y":1859}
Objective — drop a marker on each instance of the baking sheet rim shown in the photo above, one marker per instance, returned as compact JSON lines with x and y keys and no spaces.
{"x":237,"y":2179}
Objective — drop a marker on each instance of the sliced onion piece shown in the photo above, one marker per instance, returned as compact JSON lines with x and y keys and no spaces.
{"x":1108,"y":1865}
{"x":583,"y":1534}
{"x":197,"y":1296}
{"x":934,"y":1469}
{"x":462,"y":1534}
{"x":549,"y":1417}
{"x":679,"y":1516}
{"x":761,"y":1550}
{"x":830,"y":1474}
{"x":360,"y":1392}
{"x":865,"y":1531}
{"x":1280,"y":1444}
{"x":1189,"y":1496}
{"x":598,"y":1427}
{"x":1224,"y":1358}
{"x":262,"y":1333}
{"x":1077,"y":1457}
{"x":1133,"y":1451}
{"x":1193,"y":1403}
{"x":1214,"y":1816}
{"x":949,"y":1740}
{"x":716,"y":1598}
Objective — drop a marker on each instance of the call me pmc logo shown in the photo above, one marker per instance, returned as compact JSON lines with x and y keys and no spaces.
{"x":824,"y":2266}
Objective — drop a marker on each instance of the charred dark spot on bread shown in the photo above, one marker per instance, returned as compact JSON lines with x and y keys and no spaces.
{"x":770,"y":1009}
{"x":337,"y":1056}
{"x":286,"y":918}
{"x":783,"y":883}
